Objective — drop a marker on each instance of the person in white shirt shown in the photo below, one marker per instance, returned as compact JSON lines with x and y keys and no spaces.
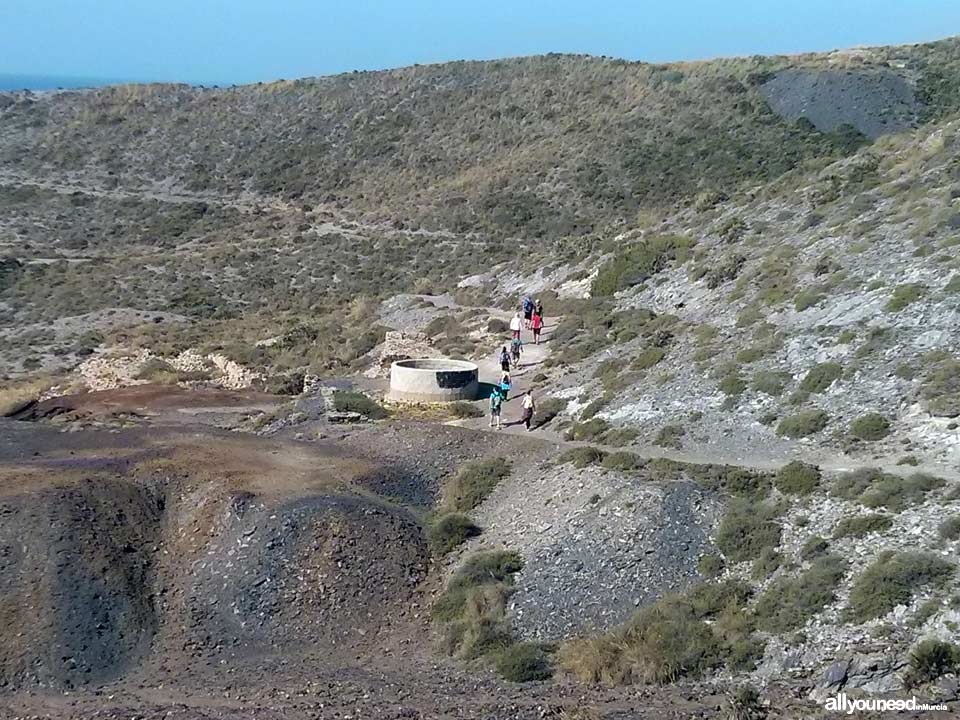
{"x":516,"y":325}
{"x":529,"y":407}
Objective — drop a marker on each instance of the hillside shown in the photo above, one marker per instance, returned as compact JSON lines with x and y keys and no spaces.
{"x":748,"y":395}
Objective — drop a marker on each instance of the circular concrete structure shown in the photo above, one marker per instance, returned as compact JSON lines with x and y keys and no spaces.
{"x":433,"y":380}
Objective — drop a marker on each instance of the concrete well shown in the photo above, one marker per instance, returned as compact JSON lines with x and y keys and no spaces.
{"x":433,"y":380}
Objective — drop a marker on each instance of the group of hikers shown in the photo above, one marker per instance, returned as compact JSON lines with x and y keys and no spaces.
{"x":532,"y":319}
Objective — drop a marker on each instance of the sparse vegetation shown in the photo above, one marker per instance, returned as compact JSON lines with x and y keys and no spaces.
{"x":474,"y":482}
{"x":349,"y":401}
{"x":904,"y":295}
{"x":874,"y":489}
{"x":581,"y":457}
{"x":949,"y":529}
{"x":789,"y":602}
{"x":803,"y":424}
{"x":820,"y":377}
{"x":523,"y":662}
{"x":932,"y":659}
{"x":464,"y":410}
{"x":798,"y":478}
{"x":892,"y":580}
{"x":862,"y":525}
{"x":747,"y":529}
{"x":870,"y":427}
{"x":450,"y":531}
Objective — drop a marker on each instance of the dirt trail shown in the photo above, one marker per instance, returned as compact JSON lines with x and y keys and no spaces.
{"x":532,"y":361}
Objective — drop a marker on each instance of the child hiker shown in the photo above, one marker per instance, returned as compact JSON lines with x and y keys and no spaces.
{"x":505,"y":385}
{"x":504,"y":359}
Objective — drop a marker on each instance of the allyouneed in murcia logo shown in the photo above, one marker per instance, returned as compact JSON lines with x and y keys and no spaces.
{"x":842,"y":703}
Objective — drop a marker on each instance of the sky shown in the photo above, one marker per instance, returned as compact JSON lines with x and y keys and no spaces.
{"x":239,"y":41}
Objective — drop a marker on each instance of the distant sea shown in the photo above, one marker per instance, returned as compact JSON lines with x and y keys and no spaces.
{"x":50,"y":82}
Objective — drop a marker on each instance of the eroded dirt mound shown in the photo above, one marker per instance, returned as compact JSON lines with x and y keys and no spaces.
{"x":875,"y":102}
{"x":189,"y":547}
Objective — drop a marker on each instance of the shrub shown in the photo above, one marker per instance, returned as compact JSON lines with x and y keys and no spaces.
{"x":874,"y":488}
{"x":732,"y":385}
{"x":941,"y":388}
{"x":462,"y":409}
{"x":548,"y":409}
{"x":820,"y":377}
{"x":638,"y":263}
{"x":747,"y":529}
{"x":862,"y":525}
{"x":789,"y":602}
{"x":797,"y":478}
{"x":589,"y":430}
{"x":904,"y":295}
{"x":710,"y":565}
{"x":648,"y":358}
{"x":814,"y":547}
{"x":766,"y":564}
{"x":349,"y":401}
{"x":618,"y":437}
{"x":949,"y":529}
{"x":870,"y":427}
{"x":451,"y":530}
{"x":803,"y":424}
{"x":20,"y":394}
{"x":892,"y":580}
{"x":474,"y":482}
{"x":670,"y":436}
{"x":623,"y":461}
{"x":581,"y":457}
{"x":807,"y":299}
{"x":523,"y":662}
{"x":660,"y":644}
{"x":769,"y":382}
{"x":708,"y":600}
{"x":932,"y":659}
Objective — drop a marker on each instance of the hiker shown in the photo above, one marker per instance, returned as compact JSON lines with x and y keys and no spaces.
{"x":516,"y":347}
{"x":527,"y":310}
{"x":505,"y":385}
{"x":516,"y":325}
{"x":504,"y":359}
{"x":538,"y":308}
{"x":537,"y":324}
{"x":529,"y":407}
{"x":496,"y":403}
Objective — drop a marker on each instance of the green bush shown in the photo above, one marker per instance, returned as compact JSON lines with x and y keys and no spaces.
{"x":648,"y":358}
{"x":581,"y":457}
{"x":548,"y":409}
{"x":941,"y":388}
{"x":949,"y":529}
{"x":770,"y":382}
{"x":710,"y":565}
{"x":814,"y":547}
{"x":638,"y":263}
{"x":807,"y":299}
{"x":707,"y":600}
{"x":892,"y":580}
{"x":803,"y":424}
{"x":870,"y":427}
{"x":618,"y":437}
{"x":349,"y":401}
{"x":797,"y":478}
{"x":732,"y":385}
{"x":766,"y":564}
{"x":873,"y":488}
{"x":789,"y":602}
{"x":523,"y":662}
{"x":623,"y":461}
{"x":932,"y":659}
{"x":589,"y":430}
{"x":904,"y":295}
{"x":862,"y":525}
{"x":747,"y":529}
{"x":820,"y":377}
{"x":670,"y":436}
{"x":450,"y":531}
{"x":474,"y":482}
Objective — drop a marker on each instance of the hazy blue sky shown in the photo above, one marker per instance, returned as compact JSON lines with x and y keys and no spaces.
{"x":223,"y":41}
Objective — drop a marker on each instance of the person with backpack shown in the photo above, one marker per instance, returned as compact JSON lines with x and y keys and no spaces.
{"x":504,"y":359}
{"x":537,"y":324}
{"x":516,"y":325}
{"x":527,"y":306}
{"x":505,"y":385}
{"x":538,"y":308}
{"x":529,"y":407}
{"x":516,"y":347}
{"x":496,"y":404}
